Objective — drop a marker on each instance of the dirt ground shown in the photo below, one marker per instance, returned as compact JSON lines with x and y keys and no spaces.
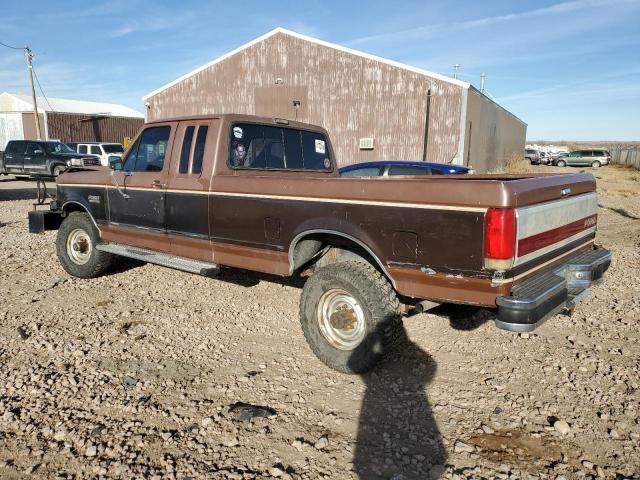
{"x":138,"y":374}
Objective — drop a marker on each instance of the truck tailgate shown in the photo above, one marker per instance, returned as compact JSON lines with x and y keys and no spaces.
{"x":545,"y":227}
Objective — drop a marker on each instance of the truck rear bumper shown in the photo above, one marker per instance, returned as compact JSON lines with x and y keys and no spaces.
{"x":544,"y":295}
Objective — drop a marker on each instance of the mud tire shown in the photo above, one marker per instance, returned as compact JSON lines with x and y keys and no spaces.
{"x":97,"y":262}
{"x":384,"y":332}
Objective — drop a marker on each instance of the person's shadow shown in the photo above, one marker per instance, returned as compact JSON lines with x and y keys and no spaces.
{"x":398,"y":437}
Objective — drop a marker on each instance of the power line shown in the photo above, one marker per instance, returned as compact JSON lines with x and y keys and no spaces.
{"x":35,"y":74}
{"x":9,"y":46}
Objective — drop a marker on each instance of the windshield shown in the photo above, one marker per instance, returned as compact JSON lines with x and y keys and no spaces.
{"x":113,"y":148}
{"x":57,"y":147}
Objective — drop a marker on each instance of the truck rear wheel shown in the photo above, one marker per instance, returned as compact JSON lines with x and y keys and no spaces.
{"x":76,"y":247}
{"x":350,"y":316}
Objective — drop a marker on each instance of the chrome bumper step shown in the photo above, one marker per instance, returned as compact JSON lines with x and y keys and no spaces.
{"x":561,"y":288}
{"x":164,"y":259}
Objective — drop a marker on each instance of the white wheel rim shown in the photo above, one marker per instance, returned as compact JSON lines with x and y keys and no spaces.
{"x":79,"y":246}
{"x":341,"y":319}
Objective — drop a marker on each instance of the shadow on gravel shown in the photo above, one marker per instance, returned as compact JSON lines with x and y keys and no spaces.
{"x":18,"y":194}
{"x":620,"y":211}
{"x":246,"y":278}
{"x":464,"y":317}
{"x":397,"y":434}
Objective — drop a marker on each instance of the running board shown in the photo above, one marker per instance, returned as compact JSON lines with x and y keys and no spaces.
{"x":164,"y":259}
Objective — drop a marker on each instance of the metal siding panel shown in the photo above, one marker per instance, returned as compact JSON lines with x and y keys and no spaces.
{"x":349,"y":95}
{"x":68,"y":127}
{"x":496,"y":135}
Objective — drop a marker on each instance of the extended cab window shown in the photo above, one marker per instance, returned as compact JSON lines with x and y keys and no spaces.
{"x":193,"y":163}
{"x":147,"y":154}
{"x":95,"y":150}
{"x":267,"y":147}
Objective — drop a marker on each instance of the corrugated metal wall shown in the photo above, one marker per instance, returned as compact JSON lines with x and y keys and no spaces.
{"x":352,"y":96}
{"x":71,"y":127}
{"x":10,"y":128}
{"x":492,"y":134}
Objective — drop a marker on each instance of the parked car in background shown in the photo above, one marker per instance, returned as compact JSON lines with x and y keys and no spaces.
{"x":26,"y":157}
{"x":392,"y":168}
{"x":545,"y":159}
{"x":584,"y":158}
{"x":102,"y":150}
{"x":532,"y":155}
{"x":559,"y":153}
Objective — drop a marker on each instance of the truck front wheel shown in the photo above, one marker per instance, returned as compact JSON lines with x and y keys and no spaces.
{"x":76,"y":247}
{"x":350,"y":316}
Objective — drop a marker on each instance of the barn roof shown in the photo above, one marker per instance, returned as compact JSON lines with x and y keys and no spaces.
{"x":318,"y":42}
{"x":23,"y":103}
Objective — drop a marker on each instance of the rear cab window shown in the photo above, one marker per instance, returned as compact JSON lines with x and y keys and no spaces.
{"x":267,"y":147}
{"x":82,"y":149}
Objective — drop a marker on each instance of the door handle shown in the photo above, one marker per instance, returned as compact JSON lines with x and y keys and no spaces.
{"x":27,"y":158}
{"x":157,"y":184}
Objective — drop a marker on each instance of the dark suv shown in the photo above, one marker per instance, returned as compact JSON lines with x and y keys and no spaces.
{"x":26,"y":157}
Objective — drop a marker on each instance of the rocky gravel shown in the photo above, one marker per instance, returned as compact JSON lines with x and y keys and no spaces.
{"x":154,"y":373}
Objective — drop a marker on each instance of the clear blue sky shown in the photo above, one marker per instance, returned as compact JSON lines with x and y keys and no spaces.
{"x":570,"y":69}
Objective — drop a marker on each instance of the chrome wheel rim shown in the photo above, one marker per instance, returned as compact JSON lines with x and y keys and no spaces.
{"x":79,"y":246}
{"x":341,"y":319}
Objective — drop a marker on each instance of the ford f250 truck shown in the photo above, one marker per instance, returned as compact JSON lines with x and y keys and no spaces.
{"x":200,"y":193}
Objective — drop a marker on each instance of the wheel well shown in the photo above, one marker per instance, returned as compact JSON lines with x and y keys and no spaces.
{"x":322,"y":248}
{"x":74,"y":207}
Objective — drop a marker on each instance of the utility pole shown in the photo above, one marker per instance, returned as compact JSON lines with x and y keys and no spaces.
{"x":482,"y":77}
{"x":29,"y":56}
{"x":455,"y":70}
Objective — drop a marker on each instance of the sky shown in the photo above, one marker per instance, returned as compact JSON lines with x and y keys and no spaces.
{"x":569,"y":69}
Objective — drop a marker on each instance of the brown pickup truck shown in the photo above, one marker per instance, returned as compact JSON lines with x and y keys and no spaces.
{"x":201,"y":193}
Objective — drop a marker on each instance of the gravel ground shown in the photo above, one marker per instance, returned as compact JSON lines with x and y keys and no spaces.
{"x":138,"y":375}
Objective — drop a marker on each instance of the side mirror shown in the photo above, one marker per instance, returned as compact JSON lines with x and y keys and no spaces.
{"x":115,"y":163}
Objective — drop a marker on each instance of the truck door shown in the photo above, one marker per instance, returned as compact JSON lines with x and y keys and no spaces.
{"x":35,"y":160}
{"x":187,"y":208}
{"x":14,"y":156}
{"x":137,"y":192}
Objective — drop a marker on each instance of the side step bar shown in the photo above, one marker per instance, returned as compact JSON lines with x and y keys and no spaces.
{"x":164,"y":259}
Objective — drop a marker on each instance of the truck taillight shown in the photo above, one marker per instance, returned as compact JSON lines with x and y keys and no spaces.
{"x":499,"y":236}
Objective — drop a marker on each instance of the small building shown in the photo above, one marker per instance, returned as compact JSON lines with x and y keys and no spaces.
{"x":374,"y":108}
{"x":66,"y":120}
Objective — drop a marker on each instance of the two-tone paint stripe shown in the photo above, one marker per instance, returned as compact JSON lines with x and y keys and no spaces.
{"x":424,"y":206}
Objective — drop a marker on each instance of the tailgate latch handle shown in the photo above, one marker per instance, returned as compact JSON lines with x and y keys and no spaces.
{"x":565,"y":191}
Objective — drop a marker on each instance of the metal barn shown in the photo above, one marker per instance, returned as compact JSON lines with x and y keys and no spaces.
{"x":66,"y":120}
{"x":374,"y":109}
